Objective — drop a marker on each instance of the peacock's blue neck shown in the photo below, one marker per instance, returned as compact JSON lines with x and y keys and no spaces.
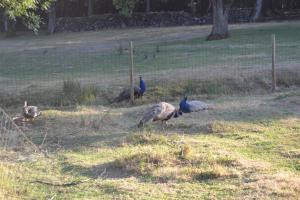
{"x":142,"y":86}
{"x":184,"y":106}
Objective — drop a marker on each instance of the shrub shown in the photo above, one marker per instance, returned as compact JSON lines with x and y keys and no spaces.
{"x":75,"y":93}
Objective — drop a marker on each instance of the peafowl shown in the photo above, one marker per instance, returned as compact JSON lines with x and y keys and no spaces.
{"x":138,"y":92}
{"x":30,"y":112}
{"x":192,"y":106}
{"x":160,"y":112}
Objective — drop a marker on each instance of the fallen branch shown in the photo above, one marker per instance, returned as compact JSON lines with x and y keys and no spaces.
{"x":61,"y":184}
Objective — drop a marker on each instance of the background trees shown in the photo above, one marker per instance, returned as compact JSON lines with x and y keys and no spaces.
{"x":31,"y":13}
{"x":125,"y":7}
{"x":25,"y":10}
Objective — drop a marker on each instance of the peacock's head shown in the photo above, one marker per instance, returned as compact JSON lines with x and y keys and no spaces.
{"x":25,"y":104}
{"x":183,"y":102}
{"x":177,"y":113}
{"x":142,"y":85}
{"x":183,"y":105}
{"x":140,"y":75}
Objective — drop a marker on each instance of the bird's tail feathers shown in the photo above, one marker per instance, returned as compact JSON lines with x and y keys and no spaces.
{"x":118,"y":99}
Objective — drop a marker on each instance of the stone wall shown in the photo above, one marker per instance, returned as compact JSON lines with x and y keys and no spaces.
{"x":160,"y":19}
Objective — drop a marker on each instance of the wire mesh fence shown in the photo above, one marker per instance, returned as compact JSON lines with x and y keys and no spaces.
{"x":241,"y":63}
{"x":12,"y":137}
{"x":94,"y":73}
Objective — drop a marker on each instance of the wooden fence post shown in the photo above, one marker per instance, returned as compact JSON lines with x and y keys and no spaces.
{"x":131,"y":72}
{"x":273,"y":63}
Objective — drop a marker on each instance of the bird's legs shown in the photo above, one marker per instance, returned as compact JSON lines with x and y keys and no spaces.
{"x":164,"y":125}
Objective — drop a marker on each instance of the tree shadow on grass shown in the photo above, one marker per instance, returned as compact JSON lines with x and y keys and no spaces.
{"x":109,"y":170}
{"x":105,"y":171}
{"x":229,"y":109}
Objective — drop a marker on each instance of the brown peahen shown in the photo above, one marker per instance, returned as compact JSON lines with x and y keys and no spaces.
{"x":160,"y":112}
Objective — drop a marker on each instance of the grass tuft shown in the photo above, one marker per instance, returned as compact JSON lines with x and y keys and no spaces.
{"x":142,"y":163}
{"x":147,"y":139}
{"x":75,"y":93}
{"x":213,"y":173}
{"x":185,"y":152}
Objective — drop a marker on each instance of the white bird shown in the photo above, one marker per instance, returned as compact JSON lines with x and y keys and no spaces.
{"x":160,"y":112}
{"x":30,"y":112}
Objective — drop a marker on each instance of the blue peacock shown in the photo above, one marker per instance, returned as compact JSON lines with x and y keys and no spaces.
{"x":138,"y":92}
{"x":186,"y":106}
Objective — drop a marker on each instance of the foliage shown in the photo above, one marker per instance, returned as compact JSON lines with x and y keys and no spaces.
{"x":125,"y":7}
{"x":25,"y":9}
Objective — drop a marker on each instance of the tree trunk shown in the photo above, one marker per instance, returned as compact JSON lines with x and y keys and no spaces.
{"x":51,"y":19}
{"x":82,"y":8}
{"x":90,"y":7}
{"x":220,"y":20}
{"x":5,"y":22}
{"x":267,"y":8}
{"x":63,"y":11}
{"x":148,"y":6}
{"x":11,"y":27}
{"x":193,"y":6}
{"x":258,"y":7}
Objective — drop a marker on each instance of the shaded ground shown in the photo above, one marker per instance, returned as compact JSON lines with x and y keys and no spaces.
{"x":108,"y":39}
{"x":83,"y":124}
{"x":238,"y":150}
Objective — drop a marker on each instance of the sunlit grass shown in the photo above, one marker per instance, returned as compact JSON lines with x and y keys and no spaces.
{"x":144,"y":165}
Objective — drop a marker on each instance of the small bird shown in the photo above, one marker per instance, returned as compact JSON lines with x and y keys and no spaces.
{"x":30,"y":112}
{"x":159,"y":112}
{"x":192,"y":106}
{"x":138,"y":92}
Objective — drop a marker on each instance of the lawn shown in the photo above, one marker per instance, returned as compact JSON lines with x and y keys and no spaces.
{"x":97,"y":62}
{"x":246,"y":147}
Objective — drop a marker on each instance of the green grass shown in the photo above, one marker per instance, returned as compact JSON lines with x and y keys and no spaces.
{"x":217,"y":167}
{"x":246,"y":47}
{"x":246,"y":52}
{"x":245,"y":146}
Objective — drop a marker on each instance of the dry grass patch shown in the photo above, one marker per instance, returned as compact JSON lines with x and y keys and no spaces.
{"x":178,"y":161}
{"x":231,"y":127}
{"x":292,"y":154}
{"x":216,"y":172}
{"x":147,"y":139}
{"x":143,"y":163}
{"x":282,"y":185}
